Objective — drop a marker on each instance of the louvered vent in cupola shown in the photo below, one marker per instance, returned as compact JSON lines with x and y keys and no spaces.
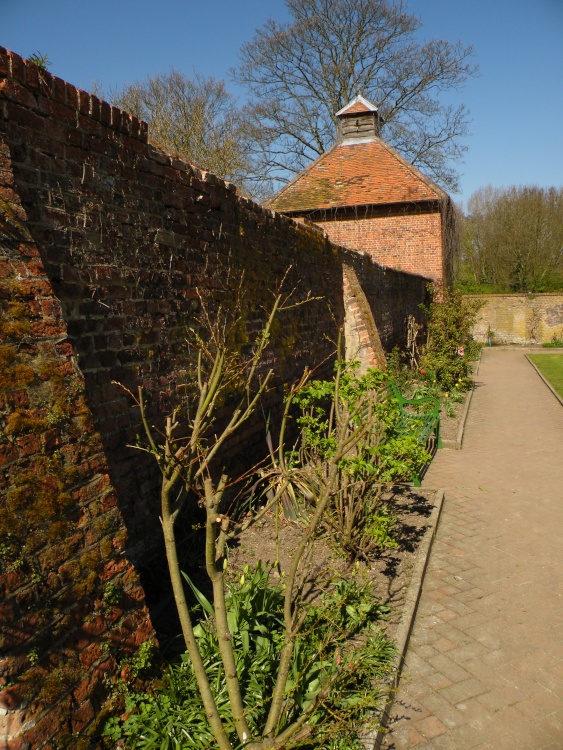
{"x":358,"y":122}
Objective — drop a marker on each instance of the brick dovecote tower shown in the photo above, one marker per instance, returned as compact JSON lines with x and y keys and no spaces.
{"x":367,"y":197}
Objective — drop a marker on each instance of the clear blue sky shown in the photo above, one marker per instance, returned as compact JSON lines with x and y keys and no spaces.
{"x":516,"y":104}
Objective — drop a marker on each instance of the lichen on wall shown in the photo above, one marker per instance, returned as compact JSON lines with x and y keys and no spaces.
{"x":61,"y":533}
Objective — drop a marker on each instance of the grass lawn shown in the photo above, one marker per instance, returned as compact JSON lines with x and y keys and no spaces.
{"x":551,"y":367}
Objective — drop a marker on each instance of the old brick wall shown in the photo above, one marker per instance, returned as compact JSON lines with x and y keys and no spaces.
{"x":519,"y":318}
{"x":62,"y":538}
{"x":108,"y":248}
{"x":129,"y":236}
{"x":404,"y":239}
{"x":389,"y":296}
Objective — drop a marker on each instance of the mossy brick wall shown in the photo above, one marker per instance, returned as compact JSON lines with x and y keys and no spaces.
{"x":107,"y":246}
{"x":62,"y":538}
{"x":519,"y":318}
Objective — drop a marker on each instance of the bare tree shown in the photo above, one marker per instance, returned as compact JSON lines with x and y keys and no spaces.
{"x":187,"y":460}
{"x":195,"y":118}
{"x":301,"y":73}
{"x":513,"y":239}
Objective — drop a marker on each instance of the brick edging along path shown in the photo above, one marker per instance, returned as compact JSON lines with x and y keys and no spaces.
{"x":484,"y":668}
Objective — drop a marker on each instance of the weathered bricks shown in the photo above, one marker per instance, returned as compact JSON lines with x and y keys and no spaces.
{"x":407,"y":241}
{"x":519,"y":318}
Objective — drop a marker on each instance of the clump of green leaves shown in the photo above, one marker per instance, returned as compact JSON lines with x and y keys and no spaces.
{"x":355,"y":518}
{"x":323,"y":654}
{"x":11,"y":557}
{"x":113,"y":593}
{"x":555,"y":343}
{"x":450,"y":346}
{"x":42,"y":61}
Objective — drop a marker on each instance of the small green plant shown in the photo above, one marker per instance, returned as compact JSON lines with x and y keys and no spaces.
{"x":426,"y":385}
{"x":11,"y":554}
{"x":33,"y":656}
{"x":143,"y":658}
{"x":113,"y":593}
{"x":42,"y":61}
{"x":382,"y":524}
{"x":555,"y":343}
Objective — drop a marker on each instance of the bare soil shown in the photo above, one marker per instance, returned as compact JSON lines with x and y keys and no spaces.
{"x":449,"y":425}
{"x":389,"y":574}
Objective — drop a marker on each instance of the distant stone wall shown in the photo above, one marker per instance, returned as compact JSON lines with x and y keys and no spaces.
{"x":519,"y":318}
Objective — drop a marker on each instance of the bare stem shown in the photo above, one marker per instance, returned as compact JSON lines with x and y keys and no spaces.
{"x":215,"y":572}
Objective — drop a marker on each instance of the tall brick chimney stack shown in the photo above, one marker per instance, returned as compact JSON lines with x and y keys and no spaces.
{"x":358,"y":122}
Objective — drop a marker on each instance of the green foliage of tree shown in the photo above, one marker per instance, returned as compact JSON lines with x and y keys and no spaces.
{"x":299,"y":74}
{"x":513,"y":240}
{"x":195,"y":118}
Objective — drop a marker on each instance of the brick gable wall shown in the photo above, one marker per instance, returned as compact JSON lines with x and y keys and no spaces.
{"x":409,"y":242}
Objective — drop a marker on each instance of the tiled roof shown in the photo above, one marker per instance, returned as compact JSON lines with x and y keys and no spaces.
{"x":358,"y":174}
{"x":358,"y":104}
{"x":355,"y":108}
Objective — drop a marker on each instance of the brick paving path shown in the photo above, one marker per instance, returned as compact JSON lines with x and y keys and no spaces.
{"x":484,"y":668}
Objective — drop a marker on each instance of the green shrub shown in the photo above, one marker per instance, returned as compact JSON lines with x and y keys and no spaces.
{"x":355,"y":519}
{"x":450,"y":346}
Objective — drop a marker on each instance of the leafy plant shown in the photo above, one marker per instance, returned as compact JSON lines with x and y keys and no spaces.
{"x":42,"y":61}
{"x":450,"y":346}
{"x":556,"y":343}
{"x":382,"y":524}
{"x":331,"y":411}
{"x":175,"y":716}
{"x":113,"y":593}
{"x":11,"y":557}
{"x":142,"y":659}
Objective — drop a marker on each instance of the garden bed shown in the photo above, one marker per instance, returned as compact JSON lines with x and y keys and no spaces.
{"x":389,"y":574}
{"x":451,"y":423}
